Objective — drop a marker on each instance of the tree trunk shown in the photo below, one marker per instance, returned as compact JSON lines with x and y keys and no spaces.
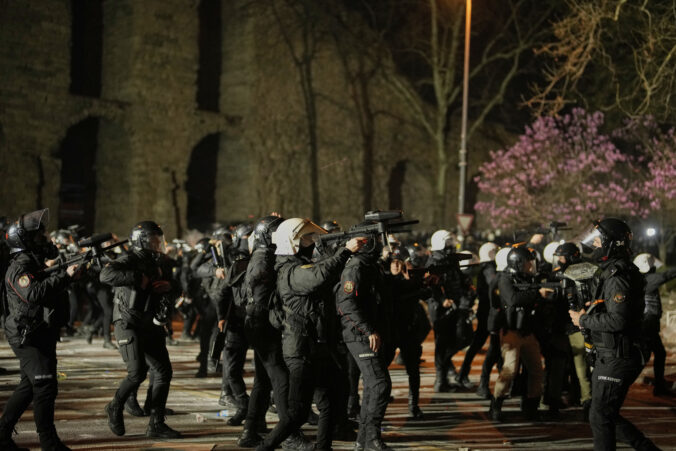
{"x":440,"y":191}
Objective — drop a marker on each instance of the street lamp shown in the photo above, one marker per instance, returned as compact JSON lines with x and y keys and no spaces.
{"x":462,"y":164}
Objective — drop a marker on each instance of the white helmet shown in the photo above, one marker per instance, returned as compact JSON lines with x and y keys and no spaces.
{"x":548,"y":252}
{"x":440,"y":240}
{"x":501,"y":258}
{"x":645,"y":262}
{"x":288,"y":235}
{"x":487,"y":252}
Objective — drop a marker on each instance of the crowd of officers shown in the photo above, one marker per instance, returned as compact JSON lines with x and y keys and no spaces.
{"x":320,"y":316}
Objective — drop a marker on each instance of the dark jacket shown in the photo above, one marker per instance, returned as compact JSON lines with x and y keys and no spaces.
{"x":362,"y":301}
{"x":453,"y":285}
{"x":300,"y":284}
{"x":136,"y":306}
{"x":616,"y":321}
{"x":518,"y":304}
{"x":484,"y":279}
{"x":653,"y":301}
{"x":31,"y":294}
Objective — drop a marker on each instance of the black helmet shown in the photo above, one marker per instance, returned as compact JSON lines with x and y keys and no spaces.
{"x":148,"y":235}
{"x":331,"y":226}
{"x":223,"y":235}
{"x":518,"y":257}
{"x":615,"y":236}
{"x":202,"y":245}
{"x":263,"y":231}
{"x":28,"y":232}
{"x":417,"y":255}
{"x":570,"y":251}
{"x":400,"y":253}
{"x":242,"y":232}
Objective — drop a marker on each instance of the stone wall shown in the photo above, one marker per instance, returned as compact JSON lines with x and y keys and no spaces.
{"x":149,"y":121}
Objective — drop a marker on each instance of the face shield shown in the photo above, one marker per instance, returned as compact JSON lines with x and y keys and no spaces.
{"x":33,"y":221}
{"x":156,"y":243}
{"x":591,"y":238}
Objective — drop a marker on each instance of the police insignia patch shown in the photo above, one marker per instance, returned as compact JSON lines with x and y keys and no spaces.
{"x":24,"y":281}
{"x":348,"y":287}
{"x":619,"y":298}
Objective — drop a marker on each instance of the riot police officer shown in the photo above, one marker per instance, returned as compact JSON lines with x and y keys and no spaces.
{"x":486,"y":275}
{"x":270,"y":371}
{"x":407,"y":289}
{"x":31,"y":329}
{"x":448,"y":306}
{"x":567,"y":254}
{"x":652,"y":314}
{"x":365,"y":312}
{"x":308,"y":310}
{"x":614,"y":323}
{"x":144,"y":291}
{"x":517,"y":339}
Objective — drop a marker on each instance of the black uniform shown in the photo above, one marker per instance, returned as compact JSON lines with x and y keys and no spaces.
{"x":651,"y":323}
{"x":141,"y":341}
{"x":32,"y":334}
{"x":363,"y":311}
{"x":447,"y":321}
{"x":305,"y":337}
{"x":271,"y":371}
{"x":484,"y":278}
{"x":615,"y":327}
{"x":407,"y":315}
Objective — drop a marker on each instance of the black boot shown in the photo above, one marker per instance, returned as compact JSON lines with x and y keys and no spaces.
{"x":50,"y":441}
{"x":530,"y":409}
{"x":6,"y":442}
{"x":242,"y":408}
{"x":441,"y":384}
{"x":115,"y":417}
{"x":157,"y":428}
{"x":353,"y":407}
{"x":107,"y":344}
{"x":413,"y":397}
{"x":483,"y":391}
{"x":249,"y":438}
{"x":496,"y":409}
{"x":376,"y":445}
{"x":131,"y":406}
{"x":226,"y":399}
{"x":312,"y":418}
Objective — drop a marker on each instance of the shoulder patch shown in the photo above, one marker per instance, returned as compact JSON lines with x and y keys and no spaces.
{"x":619,"y":298}
{"x":310,"y":265}
{"x":348,"y":287}
{"x":24,"y":281}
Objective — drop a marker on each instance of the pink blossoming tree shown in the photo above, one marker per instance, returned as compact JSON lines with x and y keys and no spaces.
{"x":566,"y":168}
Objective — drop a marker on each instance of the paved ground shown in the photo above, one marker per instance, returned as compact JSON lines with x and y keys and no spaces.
{"x":89,"y":375}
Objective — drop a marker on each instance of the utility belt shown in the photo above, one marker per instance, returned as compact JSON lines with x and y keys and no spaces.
{"x":519,"y":318}
{"x":617,"y":345}
{"x":310,"y":327}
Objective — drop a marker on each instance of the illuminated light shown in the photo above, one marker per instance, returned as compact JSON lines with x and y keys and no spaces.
{"x":651,"y":231}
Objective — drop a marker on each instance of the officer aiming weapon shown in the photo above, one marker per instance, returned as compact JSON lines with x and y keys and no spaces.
{"x":93,"y":254}
{"x":383,"y":224}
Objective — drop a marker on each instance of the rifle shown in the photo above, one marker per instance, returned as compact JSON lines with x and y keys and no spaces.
{"x":384,"y":223}
{"x":94,"y":253}
{"x":442,"y":269}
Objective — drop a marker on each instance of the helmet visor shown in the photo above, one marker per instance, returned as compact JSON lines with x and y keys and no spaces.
{"x":307,"y":228}
{"x":156,"y":243}
{"x":34,"y":220}
{"x":591,"y":237}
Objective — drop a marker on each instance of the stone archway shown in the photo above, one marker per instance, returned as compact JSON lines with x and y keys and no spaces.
{"x":200,"y":182}
{"x":77,"y":193}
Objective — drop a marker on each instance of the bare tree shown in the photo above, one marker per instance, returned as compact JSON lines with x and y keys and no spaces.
{"x":615,"y":55}
{"x":432,"y":94}
{"x":297,"y":20}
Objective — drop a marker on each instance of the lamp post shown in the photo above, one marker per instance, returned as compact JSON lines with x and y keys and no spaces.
{"x":462,"y":164}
